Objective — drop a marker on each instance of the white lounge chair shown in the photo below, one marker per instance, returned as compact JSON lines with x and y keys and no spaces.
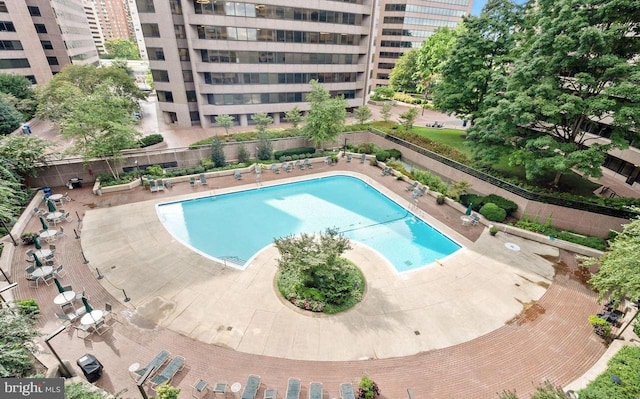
{"x":237,"y":175}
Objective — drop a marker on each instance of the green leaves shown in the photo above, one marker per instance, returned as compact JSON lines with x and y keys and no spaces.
{"x":326,"y":116}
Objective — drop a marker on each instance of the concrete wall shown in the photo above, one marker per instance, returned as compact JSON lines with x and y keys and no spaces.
{"x":583,"y":222}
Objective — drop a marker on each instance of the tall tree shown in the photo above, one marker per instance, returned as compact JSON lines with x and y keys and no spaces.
{"x":619,"y":274}
{"x":326,"y":116}
{"x":10,"y":118}
{"x":482,"y":50}
{"x":294,"y":117}
{"x":122,"y":48}
{"x":408,"y":118}
{"x":225,"y":121}
{"x":580,"y":68}
{"x":362,"y":114}
{"x":217,"y":153}
{"x":19,"y":93}
{"x":386,"y":111}
{"x":402,"y":76}
{"x":262,"y":120}
{"x":432,"y":55}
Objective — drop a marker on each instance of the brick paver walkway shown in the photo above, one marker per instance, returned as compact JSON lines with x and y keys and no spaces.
{"x":552,"y":341}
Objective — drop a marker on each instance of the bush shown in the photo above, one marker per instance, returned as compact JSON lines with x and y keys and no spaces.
{"x":243,"y":154}
{"x":293,"y":151}
{"x":154,"y":170}
{"x":382,"y":155}
{"x":548,"y":230}
{"x":493,"y":212}
{"x":367,"y":148}
{"x":475,"y":199}
{"x":428,"y":179}
{"x":151,"y":139}
{"x":509,"y":206}
{"x":405,"y":98}
{"x":395,"y":154}
{"x":625,"y":364}
{"x":367,"y":389}
{"x":28,"y":307}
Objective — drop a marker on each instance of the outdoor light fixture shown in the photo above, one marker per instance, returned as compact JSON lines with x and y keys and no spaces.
{"x":7,"y":288}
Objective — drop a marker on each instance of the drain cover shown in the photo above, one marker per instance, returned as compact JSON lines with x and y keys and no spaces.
{"x":416,"y":332}
{"x":512,"y":246}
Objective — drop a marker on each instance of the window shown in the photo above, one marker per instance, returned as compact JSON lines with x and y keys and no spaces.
{"x":159,"y":75}
{"x":184,"y":54}
{"x":176,"y":8}
{"x":145,"y":6}
{"x":191,"y":96}
{"x":7,"y":26}
{"x":155,"y":53}
{"x":34,"y":11}
{"x":195,"y":116}
{"x":165,"y":96}
{"x":46,"y":44}
{"x":32,"y":79}
{"x":3,"y":7}
{"x":11,"y":63}
{"x":52,"y":61}
{"x":10,"y":45}
{"x":180,"y":32}
{"x":40,"y":28}
{"x":150,"y":30}
{"x":187,"y":76}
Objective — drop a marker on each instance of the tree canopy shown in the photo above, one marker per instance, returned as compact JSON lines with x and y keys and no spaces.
{"x":225,"y":121}
{"x":294,"y":116}
{"x":362,"y":114}
{"x":577,"y":70}
{"x":326,"y":116}
{"x":10,"y":118}
{"x":432,"y":55}
{"x":402,"y":76}
{"x":121,"y":48}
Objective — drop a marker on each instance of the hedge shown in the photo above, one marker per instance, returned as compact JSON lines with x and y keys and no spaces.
{"x":293,"y":151}
{"x":493,"y":212}
{"x":151,"y":139}
{"x":509,"y":206}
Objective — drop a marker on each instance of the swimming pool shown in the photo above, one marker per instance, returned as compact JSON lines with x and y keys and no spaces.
{"x":234,"y":227}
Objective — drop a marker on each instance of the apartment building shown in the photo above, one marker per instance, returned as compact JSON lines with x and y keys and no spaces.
{"x":405,"y":24}
{"x":94,"y":25}
{"x":239,"y":58}
{"x":39,"y":37}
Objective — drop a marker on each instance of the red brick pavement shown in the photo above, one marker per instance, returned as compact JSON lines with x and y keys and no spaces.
{"x":557,"y":345}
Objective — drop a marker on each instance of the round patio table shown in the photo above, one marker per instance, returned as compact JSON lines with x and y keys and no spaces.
{"x":55,"y":197}
{"x":48,"y":233}
{"x":42,"y":271}
{"x":54,"y":215}
{"x":64,"y":298}
{"x":42,"y":253}
{"x":92,"y":318}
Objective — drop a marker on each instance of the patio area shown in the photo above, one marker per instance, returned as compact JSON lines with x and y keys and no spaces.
{"x":457,"y":330}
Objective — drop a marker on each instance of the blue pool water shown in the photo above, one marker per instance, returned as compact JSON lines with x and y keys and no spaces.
{"x":236,"y":226}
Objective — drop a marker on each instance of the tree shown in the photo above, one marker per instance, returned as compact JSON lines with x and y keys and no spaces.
{"x":580,"y":69}
{"x":619,"y":274}
{"x":12,"y":196}
{"x":166,"y":391}
{"x":122,"y":48}
{"x":243,"y":154}
{"x":326,"y":116}
{"x":265,"y":149}
{"x":481,"y":51}
{"x":402,"y":75}
{"x":384,"y":92}
{"x":432,"y":55}
{"x":262,"y":120}
{"x":386,"y":111}
{"x":217,"y":153}
{"x":362,"y":114}
{"x":225,"y":121}
{"x":23,"y":154}
{"x":294,"y":117}
{"x":19,"y":93}
{"x":17,"y":334}
{"x":10,"y":118}
{"x":407,"y":118}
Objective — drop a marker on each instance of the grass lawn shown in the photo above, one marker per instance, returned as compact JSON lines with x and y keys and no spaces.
{"x":455,"y":138}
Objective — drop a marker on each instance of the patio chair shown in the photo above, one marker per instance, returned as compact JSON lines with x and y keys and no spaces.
{"x":33,"y":281}
{"x":293,"y":388}
{"x":258,"y":169}
{"x":84,"y":328}
{"x":81,"y":295}
{"x":152,"y":186}
{"x":30,"y":269}
{"x":52,"y":247}
{"x":349,"y":157}
{"x":475,"y":219}
{"x":67,"y":307}
{"x":411,"y":186}
{"x":67,"y":217}
{"x":270,"y":394}
{"x":203,"y":179}
{"x":48,"y":279}
{"x":363,"y":158}
{"x":49,"y":262}
{"x":59,"y":233}
{"x":66,"y":288}
{"x":156,"y":362}
{"x":39,"y":212}
{"x":299,"y":164}
{"x":59,"y":272}
{"x":65,"y":197}
{"x":108,"y":311}
{"x":192,"y":182}
{"x":101,"y":327}
{"x":315,"y":390}
{"x":64,"y":318}
{"x":346,"y":391}
{"x":307,"y":163}
{"x":237,"y":175}
{"x":166,"y":375}
{"x":251,"y":387}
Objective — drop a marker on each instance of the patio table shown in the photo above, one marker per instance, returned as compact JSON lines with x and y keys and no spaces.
{"x":92,"y":318}
{"x":42,"y":271}
{"x":56,"y":197}
{"x":64,"y":298}
{"x":48,"y":233}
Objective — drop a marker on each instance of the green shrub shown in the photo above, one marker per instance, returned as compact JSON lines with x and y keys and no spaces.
{"x":395,"y":154}
{"x":428,"y":179}
{"x":493,"y":212}
{"x":154,"y":170}
{"x":406,"y":98}
{"x":151,"y":139}
{"x":367,"y":389}
{"x":367,"y":148}
{"x":509,"y":206}
{"x":293,"y":151}
{"x":636,"y":327}
{"x":382,"y":155}
{"x":28,"y":307}
{"x":475,"y":199}
{"x":548,"y":230}
{"x":625,"y":364}
{"x":78,"y":390}
{"x":243,"y":154}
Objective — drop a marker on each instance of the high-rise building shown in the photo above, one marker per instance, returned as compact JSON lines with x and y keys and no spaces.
{"x":39,"y":37}
{"x":239,"y":58}
{"x":405,"y":24}
{"x":113,"y":18}
{"x":94,"y":25}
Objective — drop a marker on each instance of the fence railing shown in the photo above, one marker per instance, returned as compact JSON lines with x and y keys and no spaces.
{"x":505,"y":185}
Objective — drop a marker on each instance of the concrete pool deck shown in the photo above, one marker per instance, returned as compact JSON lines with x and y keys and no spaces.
{"x":474,"y":291}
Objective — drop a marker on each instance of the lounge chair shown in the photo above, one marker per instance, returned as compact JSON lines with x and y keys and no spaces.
{"x":160,"y":185}
{"x":156,"y":362}
{"x":258,"y":170}
{"x":270,"y":394}
{"x":192,"y":182}
{"x":293,"y":389}
{"x":152,"y":186}
{"x":203,"y":179}
{"x":349,"y":157}
{"x":299,"y":164}
{"x":475,"y":219}
{"x":251,"y":387}
{"x":412,"y":186}
{"x":285,"y":167}
{"x":346,"y":391}
{"x":315,"y":390}
{"x":363,"y":158}
{"x":237,"y":175}
{"x":275,"y":168}
{"x":307,"y":163}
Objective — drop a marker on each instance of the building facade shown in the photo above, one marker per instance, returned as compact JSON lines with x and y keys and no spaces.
{"x":241,"y":58}
{"x":39,"y":37}
{"x":405,"y":24}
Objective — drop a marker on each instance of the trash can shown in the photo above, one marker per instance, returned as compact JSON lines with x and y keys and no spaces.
{"x":47,"y":191}
{"x":75,"y":182}
{"x":464,"y":123}
{"x":90,"y":366}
